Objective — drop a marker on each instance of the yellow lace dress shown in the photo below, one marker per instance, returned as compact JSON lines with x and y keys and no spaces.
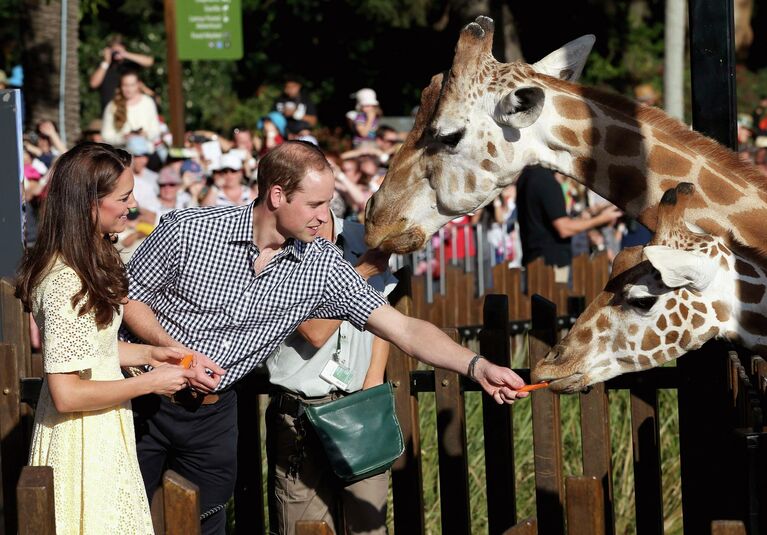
{"x":97,"y":483}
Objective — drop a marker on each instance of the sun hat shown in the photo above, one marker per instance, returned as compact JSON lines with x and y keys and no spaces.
{"x":365,"y":97}
{"x":277,"y":119}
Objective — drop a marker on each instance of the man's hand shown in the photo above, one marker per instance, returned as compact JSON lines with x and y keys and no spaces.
{"x":499,"y":383}
{"x":201,"y":380}
{"x":373,"y":262}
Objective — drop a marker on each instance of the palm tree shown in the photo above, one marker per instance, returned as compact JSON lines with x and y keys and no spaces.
{"x":43,"y":88}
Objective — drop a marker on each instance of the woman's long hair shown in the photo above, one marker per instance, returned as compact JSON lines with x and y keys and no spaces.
{"x":79,"y":179}
{"x":121,"y":105}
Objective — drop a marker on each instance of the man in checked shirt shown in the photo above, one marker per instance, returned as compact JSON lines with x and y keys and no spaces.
{"x":230,"y":284}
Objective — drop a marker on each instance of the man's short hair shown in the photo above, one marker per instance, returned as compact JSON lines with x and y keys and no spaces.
{"x":286,"y":165}
{"x":383,"y":129}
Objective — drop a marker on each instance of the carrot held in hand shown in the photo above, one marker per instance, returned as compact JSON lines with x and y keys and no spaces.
{"x":186,"y":362}
{"x":536,"y":386}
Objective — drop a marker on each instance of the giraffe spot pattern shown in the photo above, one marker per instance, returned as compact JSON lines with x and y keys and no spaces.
{"x":710,"y":333}
{"x":697,"y":321}
{"x":745,"y":269}
{"x":471,"y":182}
{"x":586,"y":169}
{"x":592,"y":136}
{"x":717,"y":189}
{"x":620,"y":141}
{"x":723,"y":264}
{"x":619,"y":342}
{"x":751,"y":225}
{"x":685,"y":341}
{"x":491,"y":150}
{"x":662,"y":323}
{"x":583,"y":336}
{"x":672,"y":337}
{"x":753,"y":322}
{"x":633,"y":329}
{"x":650,"y":340}
{"x":676,"y":321}
{"x":709,"y":225}
{"x":747,"y":292}
{"x":673,"y":352}
{"x":665,"y":162}
{"x":565,"y":135}
{"x":572,"y":108}
{"x":626,"y":183}
{"x":491,"y":166}
{"x":700,"y":307}
{"x":644,"y":362}
{"x":722,"y":310}
{"x":683,"y":309}
{"x":671,"y":303}
{"x":603,"y":323}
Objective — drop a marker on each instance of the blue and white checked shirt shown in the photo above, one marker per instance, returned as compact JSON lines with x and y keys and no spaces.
{"x":195,"y":271}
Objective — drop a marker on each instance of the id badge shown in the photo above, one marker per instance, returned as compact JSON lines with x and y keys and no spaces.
{"x":337,"y":375}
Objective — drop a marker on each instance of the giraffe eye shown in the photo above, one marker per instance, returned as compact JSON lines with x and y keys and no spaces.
{"x":452,"y":139}
{"x":642,"y":303}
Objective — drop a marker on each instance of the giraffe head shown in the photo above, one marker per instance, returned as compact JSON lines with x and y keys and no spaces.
{"x":663,"y":300}
{"x":473,"y":135}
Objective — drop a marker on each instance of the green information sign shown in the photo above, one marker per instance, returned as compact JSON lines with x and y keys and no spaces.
{"x":209,"y":29}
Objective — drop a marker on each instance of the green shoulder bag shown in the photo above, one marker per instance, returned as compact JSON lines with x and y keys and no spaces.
{"x":360,"y":432}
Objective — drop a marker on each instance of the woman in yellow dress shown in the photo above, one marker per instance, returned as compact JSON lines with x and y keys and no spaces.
{"x":74,"y":283}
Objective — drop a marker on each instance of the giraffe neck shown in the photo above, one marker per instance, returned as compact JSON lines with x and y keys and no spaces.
{"x":631,"y":154}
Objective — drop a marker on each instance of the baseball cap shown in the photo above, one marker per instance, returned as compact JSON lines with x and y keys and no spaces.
{"x":138,"y":146}
{"x":228,"y":161}
{"x":366,"y":97}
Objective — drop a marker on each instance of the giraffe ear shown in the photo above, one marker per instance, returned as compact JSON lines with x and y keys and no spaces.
{"x":681,"y":268}
{"x":521,"y":107}
{"x":567,"y":62}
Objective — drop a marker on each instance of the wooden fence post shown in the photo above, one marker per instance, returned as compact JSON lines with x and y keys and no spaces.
{"x":585,"y":514}
{"x":248,"y":490}
{"x":497,"y":421}
{"x":407,"y":479}
{"x":12,"y":451}
{"x":596,"y":446}
{"x":36,"y":510}
{"x":727,"y":527}
{"x":547,"y":430}
{"x":645,"y":437}
{"x":313,"y":527}
{"x":453,"y":452}
{"x":528,"y":526}
{"x":181,"y":500}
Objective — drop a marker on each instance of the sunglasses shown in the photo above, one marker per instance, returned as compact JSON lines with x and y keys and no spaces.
{"x":168,"y":185}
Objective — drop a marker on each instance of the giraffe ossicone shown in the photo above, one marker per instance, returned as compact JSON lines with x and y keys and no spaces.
{"x":482,"y":122}
{"x":663,"y":300}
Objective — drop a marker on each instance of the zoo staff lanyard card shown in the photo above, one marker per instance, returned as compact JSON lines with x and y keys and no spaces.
{"x":334,"y":371}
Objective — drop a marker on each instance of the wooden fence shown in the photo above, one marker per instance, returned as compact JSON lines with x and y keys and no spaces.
{"x":721,"y":424}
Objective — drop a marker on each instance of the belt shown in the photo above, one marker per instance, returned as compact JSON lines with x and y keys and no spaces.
{"x":191,"y":399}
{"x":292,"y":404}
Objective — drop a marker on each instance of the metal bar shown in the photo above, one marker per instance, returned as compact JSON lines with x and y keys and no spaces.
{"x":453,"y":248}
{"x":466,"y":249}
{"x":442,"y":264}
{"x":429,"y":273}
{"x":480,"y":260}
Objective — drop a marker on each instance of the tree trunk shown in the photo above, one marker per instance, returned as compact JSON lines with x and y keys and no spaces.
{"x":744,"y":35}
{"x":45,"y":95}
{"x":673,"y":80}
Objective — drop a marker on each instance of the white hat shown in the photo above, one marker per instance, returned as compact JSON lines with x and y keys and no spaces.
{"x":228,"y":160}
{"x":366,"y":97}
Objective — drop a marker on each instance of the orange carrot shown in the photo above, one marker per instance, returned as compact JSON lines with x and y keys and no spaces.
{"x":186,"y":362}
{"x":530,"y":388}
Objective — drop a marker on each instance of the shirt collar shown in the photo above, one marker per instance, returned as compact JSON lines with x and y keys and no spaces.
{"x":243,"y":225}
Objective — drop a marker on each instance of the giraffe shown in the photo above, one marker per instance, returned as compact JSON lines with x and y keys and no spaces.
{"x":664,"y":299}
{"x":483,"y":121}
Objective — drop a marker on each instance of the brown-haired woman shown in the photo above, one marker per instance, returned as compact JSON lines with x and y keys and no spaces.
{"x":73,"y":281}
{"x":130,"y":112}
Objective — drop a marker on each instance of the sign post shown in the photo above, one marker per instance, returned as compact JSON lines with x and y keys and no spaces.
{"x":198,"y":29}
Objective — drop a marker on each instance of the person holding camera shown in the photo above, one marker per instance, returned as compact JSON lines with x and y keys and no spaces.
{"x":116,"y":59}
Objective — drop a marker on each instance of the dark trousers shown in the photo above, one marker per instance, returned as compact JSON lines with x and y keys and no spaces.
{"x":201,"y":445}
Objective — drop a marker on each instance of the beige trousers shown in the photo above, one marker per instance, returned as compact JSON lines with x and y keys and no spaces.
{"x":313,"y":492}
